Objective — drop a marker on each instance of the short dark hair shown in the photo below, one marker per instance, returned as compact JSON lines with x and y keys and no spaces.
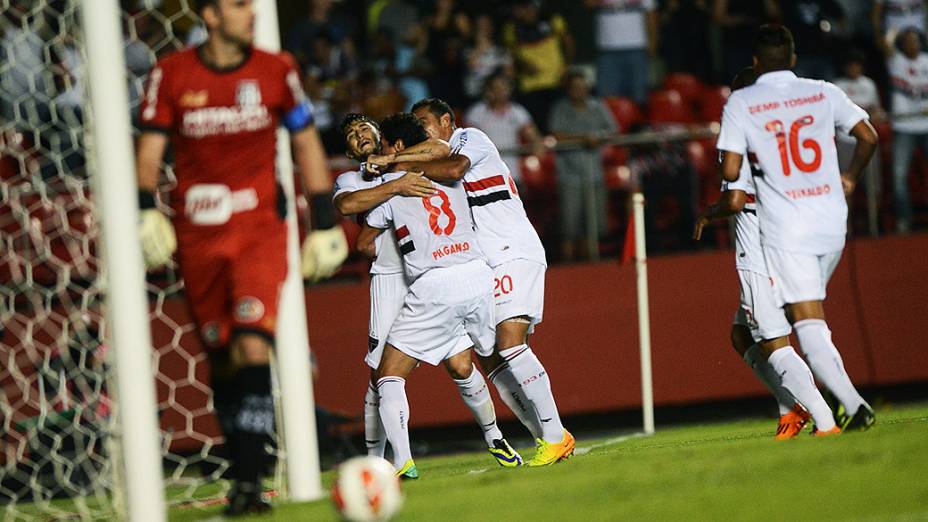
{"x":744,"y":78}
{"x":403,"y":126}
{"x":574,"y":74}
{"x":200,"y":5}
{"x":436,"y":106}
{"x":353,"y":117}
{"x":774,"y":47}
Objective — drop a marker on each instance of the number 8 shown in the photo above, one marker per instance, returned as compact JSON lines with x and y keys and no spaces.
{"x":434,"y":212}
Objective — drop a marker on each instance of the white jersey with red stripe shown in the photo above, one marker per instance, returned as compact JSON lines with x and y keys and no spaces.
{"x":388,"y":260}
{"x":432,"y":232}
{"x":748,"y":252}
{"x":790,"y":122}
{"x":503,"y":228}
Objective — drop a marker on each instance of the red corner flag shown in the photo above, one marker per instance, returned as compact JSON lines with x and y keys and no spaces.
{"x":628,"y":249}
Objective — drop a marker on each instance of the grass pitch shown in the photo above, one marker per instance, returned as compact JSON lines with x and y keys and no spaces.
{"x":726,"y":471}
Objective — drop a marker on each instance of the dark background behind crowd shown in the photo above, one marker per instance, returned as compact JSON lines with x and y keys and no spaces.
{"x":540,"y":76}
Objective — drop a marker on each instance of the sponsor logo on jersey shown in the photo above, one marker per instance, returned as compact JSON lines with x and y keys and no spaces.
{"x":248,"y":93}
{"x":193,"y":99}
{"x":216,"y":121}
{"x":249,"y":309}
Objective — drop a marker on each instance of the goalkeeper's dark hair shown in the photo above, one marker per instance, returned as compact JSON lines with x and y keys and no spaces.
{"x":436,"y":106}
{"x":200,"y":5}
{"x":351,"y":118}
{"x":403,"y":126}
{"x":774,"y":47}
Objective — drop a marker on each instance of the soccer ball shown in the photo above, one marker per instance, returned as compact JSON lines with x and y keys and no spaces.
{"x":367,"y":490}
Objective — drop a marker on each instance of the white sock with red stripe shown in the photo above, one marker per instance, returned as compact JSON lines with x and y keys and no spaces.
{"x":826,"y":363}
{"x":754,"y":357}
{"x":536,"y":387}
{"x":374,"y":436}
{"x":476,"y":396}
{"x":394,"y":413}
{"x":797,"y":378}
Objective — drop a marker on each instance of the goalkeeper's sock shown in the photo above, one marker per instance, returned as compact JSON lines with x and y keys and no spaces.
{"x":797,"y":378}
{"x":826,"y":362}
{"x":476,"y":396}
{"x":511,"y":393}
{"x":374,"y":437}
{"x":394,"y":413}
{"x":254,"y":423}
{"x":536,"y":387}
{"x":754,"y":357}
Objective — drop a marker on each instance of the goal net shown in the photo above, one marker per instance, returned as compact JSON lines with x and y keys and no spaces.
{"x":59,"y":433}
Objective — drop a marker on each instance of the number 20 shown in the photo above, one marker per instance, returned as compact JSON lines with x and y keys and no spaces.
{"x":778,"y":129}
{"x":503,"y":286}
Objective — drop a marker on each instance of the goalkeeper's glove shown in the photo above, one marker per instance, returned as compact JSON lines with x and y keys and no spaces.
{"x":156,"y":233}
{"x":324,"y":251}
{"x":326,"y":247}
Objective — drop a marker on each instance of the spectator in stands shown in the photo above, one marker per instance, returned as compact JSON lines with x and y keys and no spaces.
{"x":584,"y":121}
{"x":484,"y":57}
{"x":739,"y":20}
{"x":684,"y":43}
{"x":396,"y":16}
{"x":863,"y":92}
{"x":814,"y":24}
{"x":626,"y":38}
{"x":890,"y":17}
{"x":507,"y":123}
{"x":908,"y":70}
{"x":447,"y":30}
{"x":302,"y":39}
{"x":542,"y":47}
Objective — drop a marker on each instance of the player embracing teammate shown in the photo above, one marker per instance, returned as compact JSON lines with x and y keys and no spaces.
{"x":515,"y":254}
{"x":786,"y":126}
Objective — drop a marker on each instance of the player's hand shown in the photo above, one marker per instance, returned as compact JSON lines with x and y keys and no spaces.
{"x":701,"y":223}
{"x":381,"y":161}
{"x":324,"y":251}
{"x":414,"y":184}
{"x":158,"y":239}
{"x":370,"y":168}
{"x":847,"y":184}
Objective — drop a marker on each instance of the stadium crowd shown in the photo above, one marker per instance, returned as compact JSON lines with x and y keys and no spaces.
{"x":538,"y":74}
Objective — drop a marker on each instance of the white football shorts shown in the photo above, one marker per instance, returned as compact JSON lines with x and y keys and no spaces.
{"x":761,"y":309}
{"x":800,"y":277}
{"x":442,"y":305}
{"x":388,"y":293}
{"x":519,"y":290}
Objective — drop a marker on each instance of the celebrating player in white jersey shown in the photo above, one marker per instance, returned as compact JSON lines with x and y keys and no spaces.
{"x":357,"y":192}
{"x":801,"y":204}
{"x":758,"y":296}
{"x":518,"y":260}
{"x":450,"y":292}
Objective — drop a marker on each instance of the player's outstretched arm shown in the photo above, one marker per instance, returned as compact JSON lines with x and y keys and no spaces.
{"x":155,"y":231}
{"x":451,"y":168}
{"x":411,"y":184}
{"x":366,"y":240}
{"x":430,"y":149}
{"x":867,"y":140}
{"x":731,"y":202}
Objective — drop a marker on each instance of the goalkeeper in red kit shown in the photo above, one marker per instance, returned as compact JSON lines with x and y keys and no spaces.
{"x":219,"y":106}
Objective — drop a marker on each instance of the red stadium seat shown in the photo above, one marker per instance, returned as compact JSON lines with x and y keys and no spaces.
{"x":625,"y":112}
{"x":668,"y":106}
{"x":538,"y":173}
{"x":702,"y":156}
{"x":689,"y":86}
{"x":712,"y":102}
